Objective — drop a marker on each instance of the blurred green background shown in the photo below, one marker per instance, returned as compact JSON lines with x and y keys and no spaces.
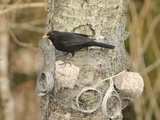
{"x":23,"y":22}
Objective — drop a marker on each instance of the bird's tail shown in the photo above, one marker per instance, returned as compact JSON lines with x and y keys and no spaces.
{"x":98,"y":44}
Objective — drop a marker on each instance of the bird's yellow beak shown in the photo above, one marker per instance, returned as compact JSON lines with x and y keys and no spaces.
{"x":45,"y":36}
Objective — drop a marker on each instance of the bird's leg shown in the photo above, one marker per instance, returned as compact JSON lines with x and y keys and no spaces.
{"x":67,"y":60}
{"x":87,"y":1}
{"x":66,"y":53}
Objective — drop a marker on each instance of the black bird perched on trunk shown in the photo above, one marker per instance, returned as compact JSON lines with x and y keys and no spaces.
{"x":72,"y":42}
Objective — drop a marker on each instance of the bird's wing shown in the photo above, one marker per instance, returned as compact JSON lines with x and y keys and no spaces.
{"x":75,"y":39}
{"x":82,"y":35}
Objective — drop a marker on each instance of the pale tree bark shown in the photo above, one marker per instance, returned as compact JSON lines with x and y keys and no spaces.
{"x":8,"y":111}
{"x":106,"y":21}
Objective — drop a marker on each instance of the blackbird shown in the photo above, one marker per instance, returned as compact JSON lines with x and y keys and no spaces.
{"x":72,"y":42}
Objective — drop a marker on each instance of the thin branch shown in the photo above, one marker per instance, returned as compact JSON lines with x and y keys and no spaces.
{"x":27,"y":27}
{"x":138,"y":32}
{"x":36,"y":22}
{"x":132,"y":27}
{"x":143,"y":14}
{"x":150,"y":33}
{"x":151,"y":67}
{"x":151,"y":98}
{"x":150,"y":95}
{"x":9,"y":8}
{"x":21,"y":43}
{"x":156,"y":86}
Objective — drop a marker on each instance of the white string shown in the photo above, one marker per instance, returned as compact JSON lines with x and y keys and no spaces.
{"x":108,"y":94}
{"x":99,"y":83}
{"x":111,"y":92}
{"x":93,"y":109}
{"x":113,"y":76}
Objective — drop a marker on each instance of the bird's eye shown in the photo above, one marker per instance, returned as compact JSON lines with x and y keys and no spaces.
{"x":52,"y":33}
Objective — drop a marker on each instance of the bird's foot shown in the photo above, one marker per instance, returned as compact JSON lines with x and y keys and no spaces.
{"x":65,"y":63}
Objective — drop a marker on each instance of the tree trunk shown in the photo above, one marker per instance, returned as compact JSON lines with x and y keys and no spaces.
{"x":106,"y":21}
{"x":5,"y":91}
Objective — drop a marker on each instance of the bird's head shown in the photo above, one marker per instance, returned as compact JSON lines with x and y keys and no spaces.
{"x":50,"y":35}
